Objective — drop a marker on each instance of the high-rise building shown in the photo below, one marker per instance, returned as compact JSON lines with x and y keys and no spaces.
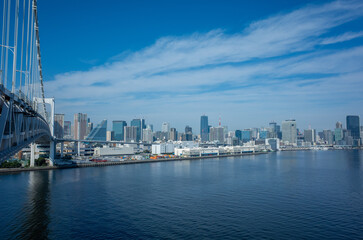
{"x":130,"y":133}
{"x":99,"y":132}
{"x":173,"y":134}
{"x":353,"y":126}
{"x":165,"y":127}
{"x":289,"y":132}
{"x":147,"y":135}
{"x":246,"y":135}
{"x":204,"y":128}
{"x":238,"y":134}
{"x":188,"y":129}
{"x":67,"y":130}
{"x":151,"y":126}
{"x":309,"y":136}
{"x":139,"y":123}
{"x":118,"y":127}
{"x":80,"y":126}
{"x":217,"y":134}
{"x":328,"y":136}
{"x":272,"y":130}
{"x":338,"y":125}
{"x":59,"y":125}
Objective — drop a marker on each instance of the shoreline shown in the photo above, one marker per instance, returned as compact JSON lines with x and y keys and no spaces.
{"x":104,"y":164}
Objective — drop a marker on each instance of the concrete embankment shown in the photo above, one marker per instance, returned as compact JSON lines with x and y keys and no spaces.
{"x":102,"y":164}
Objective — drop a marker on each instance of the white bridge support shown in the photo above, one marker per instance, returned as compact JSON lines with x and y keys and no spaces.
{"x":32,"y":154}
{"x":52,"y":153}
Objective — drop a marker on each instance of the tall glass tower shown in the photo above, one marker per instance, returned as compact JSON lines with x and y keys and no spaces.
{"x":204,"y":130}
{"x":118,"y":129}
{"x":353,"y":126}
{"x":99,"y":132}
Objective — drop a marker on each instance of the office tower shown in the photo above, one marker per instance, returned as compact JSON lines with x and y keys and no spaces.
{"x":67,"y":130}
{"x":80,"y":126}
{"x":238,"y":134}
{"x":173,"y":134}
{"x":130,"y":133}
{"x":147,"y":135}
{"x":289,"y":132}
{"x":99,"y":132}
{"x":165,"y":127}
{"x":204,"y":129}
{"x":246,"y":135}
{"x":272,"y":130}
{"x":59,"y":125}
{"x":338,"y":133}
{"x":138,"y":123}
{"x":188,"y":129}
{"x":353,"y":126}
{"x":263,"y":133}
{"x":328,"y":136}
{"x":118,"y":129}
{"x":216,"y":134}
{"x":309,"y":135}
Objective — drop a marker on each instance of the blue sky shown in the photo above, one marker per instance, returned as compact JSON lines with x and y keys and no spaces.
{"x":173,"y":61}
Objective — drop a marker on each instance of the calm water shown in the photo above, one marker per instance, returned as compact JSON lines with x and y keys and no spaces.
{"x":288,"y":195}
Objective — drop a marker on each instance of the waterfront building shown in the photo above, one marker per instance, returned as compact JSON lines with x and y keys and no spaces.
{"x":99,"y":132}
{"x":118,"y":127}
{"x":59,"y":125}
{"x":204,"y":129}
{"x":113,"y":151}
{"x":309,"y":136}
{"x":162,"y":148}
{"x":353,"y":126}
{"x":274,"y":143}
{"x":165,"y":127}
{"x":289,"y":131}
{"x":130,"y":133}
{"x":80,"y":126}
{"x":217,"y":134}
{"x":67,"y":130}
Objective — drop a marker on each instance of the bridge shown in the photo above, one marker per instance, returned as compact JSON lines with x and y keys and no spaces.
{"x":26,"y":116}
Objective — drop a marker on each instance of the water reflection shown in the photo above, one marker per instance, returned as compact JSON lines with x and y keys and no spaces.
{"x":36,"y":208}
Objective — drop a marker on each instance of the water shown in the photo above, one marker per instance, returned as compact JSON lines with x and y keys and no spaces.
{"x":287,"y":195}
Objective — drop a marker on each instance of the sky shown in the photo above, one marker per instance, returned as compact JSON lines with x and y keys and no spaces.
{"x":247,"y":62}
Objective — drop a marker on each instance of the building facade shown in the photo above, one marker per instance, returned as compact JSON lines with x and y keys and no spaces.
{"x":80,"y":126}
{"x":118,"y":127}
{"x":289,"y":131}
{"x":204,"y":129}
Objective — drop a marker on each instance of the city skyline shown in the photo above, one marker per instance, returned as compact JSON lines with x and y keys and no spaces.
{"x":260,"y":67}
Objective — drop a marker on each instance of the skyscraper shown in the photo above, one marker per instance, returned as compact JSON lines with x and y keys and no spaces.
{"x":80,"y":126}
{"x":130,"y":133}
{"x":289,"y":132}
{"x":309,"y":135}
{"x":204,"y":130}
{"x":138,"y":123}
{"x":67,"y":130}
{"x":59,"y":125}
{"x":118,"y":129}
{"x":147,"y":135}
{"x":173,"y":134}
{"x":165,"y":127}
{"x":217,"y":134}
{"x":353,"y":126}
{"x":99,"y":132}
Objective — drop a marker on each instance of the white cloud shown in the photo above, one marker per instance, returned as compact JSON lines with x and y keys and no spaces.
{"x":262,"y":68}
{"x":342,"y":38}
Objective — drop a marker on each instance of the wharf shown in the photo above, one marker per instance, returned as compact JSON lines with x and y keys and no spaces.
{"x":102,"y":164}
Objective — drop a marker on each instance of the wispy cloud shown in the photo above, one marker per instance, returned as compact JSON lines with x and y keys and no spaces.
{"x":274,"y":68}
{"x":343,"y":37}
